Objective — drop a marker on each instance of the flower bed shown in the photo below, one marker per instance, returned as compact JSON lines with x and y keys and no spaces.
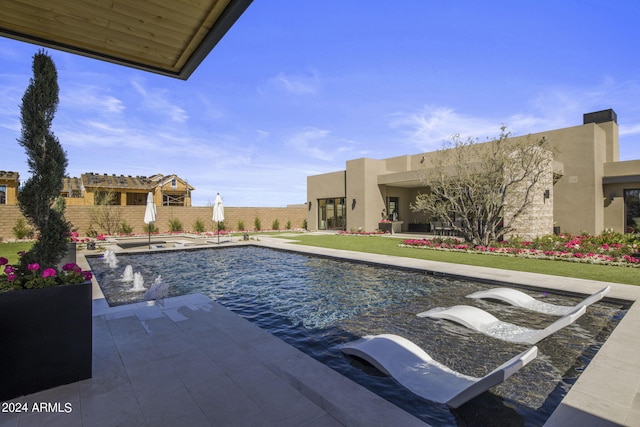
{"x":362,"y":233}
{"x":608,"y":248}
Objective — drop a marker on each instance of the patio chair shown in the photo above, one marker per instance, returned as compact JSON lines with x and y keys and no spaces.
{"x":415,"y":370}
{"x":520,"y":299}
{"x":485,"y":323}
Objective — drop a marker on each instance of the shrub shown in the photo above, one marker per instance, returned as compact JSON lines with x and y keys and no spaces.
{"x":125,"y":228}
{"x":304,"y":224}
{"x":198,"y":226}
{"x":257,"y":224}
{"x":275,"y":225}
{"x":150,"y":228}
{"x":22,"y":230}
{"x":91,"y":232}
{"x":175,"y":225}
{"x":241,"y":225}
{"x":288,"y":225}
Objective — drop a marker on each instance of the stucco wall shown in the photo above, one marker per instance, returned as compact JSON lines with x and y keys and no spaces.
{"x":81,"y":217}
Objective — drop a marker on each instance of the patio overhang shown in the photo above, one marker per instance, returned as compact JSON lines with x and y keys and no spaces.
{"x":168,"y":37}
{"x":405,"y":179}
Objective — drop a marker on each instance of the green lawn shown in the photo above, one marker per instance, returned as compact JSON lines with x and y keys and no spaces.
{"x":389,"y":246}
{"x":10,"y":250}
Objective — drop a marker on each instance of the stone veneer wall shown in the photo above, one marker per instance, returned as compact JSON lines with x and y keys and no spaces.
{"x":80,"y":217}
{"x":537,"y":219}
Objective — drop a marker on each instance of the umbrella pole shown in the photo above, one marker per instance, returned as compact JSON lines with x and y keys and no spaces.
{"x":149,"y":229}
{"x":218,"y":232}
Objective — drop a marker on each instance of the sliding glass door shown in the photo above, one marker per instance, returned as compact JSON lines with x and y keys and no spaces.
{"x":332,"y":214}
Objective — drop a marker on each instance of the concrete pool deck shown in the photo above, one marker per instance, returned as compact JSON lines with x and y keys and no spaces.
{"x":192,"y":362}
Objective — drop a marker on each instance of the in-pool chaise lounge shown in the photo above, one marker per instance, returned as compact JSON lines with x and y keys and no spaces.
{"x":520,"y":299}
{"x":481,"y":321}
{"x":414,"y":369}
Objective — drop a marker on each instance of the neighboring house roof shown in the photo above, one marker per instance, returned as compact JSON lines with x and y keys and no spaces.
{"x":163,"y":180}
{"x":168,"y":37}
{"x":120,"y":182}
{"x":94,"y":180}
{"x":71,"y":185}
{"x":9,"y":176}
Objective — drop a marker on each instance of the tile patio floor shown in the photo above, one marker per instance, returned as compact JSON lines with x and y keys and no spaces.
{"x":192,"y":362}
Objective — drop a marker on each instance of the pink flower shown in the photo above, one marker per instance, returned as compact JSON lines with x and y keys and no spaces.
{"x":49,"y":272}
{"x":33,"y":267}
{"x":11,"y":277}
{"x":69,"y":266}
{"x":8,"y":269}
{"x":3,"y":261}
{"x":87,"y":275}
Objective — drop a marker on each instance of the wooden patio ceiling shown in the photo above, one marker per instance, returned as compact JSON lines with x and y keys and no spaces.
{"x":169,"y":37}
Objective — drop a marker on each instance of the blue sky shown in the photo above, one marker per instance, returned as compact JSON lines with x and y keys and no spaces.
{"x":297,"y":88}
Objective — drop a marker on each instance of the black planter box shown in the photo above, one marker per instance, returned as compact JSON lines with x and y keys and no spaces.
{"x":385,"y":226}
{"x":423,"y":228}
{"x":45,"y":338}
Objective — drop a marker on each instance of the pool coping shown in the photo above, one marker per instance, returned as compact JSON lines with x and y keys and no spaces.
{"x":606,"y":393}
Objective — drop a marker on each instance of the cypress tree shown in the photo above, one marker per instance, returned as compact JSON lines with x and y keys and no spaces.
{"x":47,"y":164}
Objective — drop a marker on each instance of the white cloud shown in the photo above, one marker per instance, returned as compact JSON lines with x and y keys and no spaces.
{"x":630,"y":130}
{"x":90,"y":98}
{"x":428,"y":128}
{"x":320,"y":144}
{"x":297,"y":84}
{"x":157,"y":100}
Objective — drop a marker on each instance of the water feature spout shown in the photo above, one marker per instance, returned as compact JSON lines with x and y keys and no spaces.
{"x":159,"y":290}
{"x":138,"y":283}
{"x":127,"y":276}
{"x":110,"y":258}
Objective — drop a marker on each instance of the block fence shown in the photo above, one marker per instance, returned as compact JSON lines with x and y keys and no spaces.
{"x":81,"y":217}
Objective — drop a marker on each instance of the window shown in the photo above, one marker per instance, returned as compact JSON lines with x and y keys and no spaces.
{"x":632,"y":210}
{"x":3,"y":194}
{"x":332,"y":214}
{"x":174,"y":183}
{"x":392,"y":209}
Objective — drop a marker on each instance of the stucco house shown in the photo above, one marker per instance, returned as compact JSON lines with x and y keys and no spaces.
{"x":588,"y":190}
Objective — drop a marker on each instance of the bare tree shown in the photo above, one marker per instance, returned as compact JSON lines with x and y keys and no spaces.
{"x":107,"y":213}
{"x":480,"y":190}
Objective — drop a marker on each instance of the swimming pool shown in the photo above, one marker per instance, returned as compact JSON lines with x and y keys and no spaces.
{"x":316,"y":304}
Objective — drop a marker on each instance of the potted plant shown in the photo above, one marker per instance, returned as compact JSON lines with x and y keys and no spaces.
{"x":45,"y":311}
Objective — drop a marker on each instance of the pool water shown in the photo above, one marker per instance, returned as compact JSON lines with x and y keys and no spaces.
{"x":316,"y":304}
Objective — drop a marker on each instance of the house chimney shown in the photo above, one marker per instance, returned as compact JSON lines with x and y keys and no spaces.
{"x":603,"y":116}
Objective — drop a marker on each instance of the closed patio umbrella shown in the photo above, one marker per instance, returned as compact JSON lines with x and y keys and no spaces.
{"x":150,"y":214}
{"x":218,"y":212}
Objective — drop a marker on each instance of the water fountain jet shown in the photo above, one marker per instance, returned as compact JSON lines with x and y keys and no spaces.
{"x":127,"y":276}
{"x":138,"y":283}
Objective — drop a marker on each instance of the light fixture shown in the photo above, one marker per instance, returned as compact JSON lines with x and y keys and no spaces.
{"x":309,"y":205}
{"x":547,"y":194}
{"x":353,"y":204}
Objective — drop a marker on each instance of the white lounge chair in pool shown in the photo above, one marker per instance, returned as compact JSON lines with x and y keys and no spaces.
{"x":483,"y":322}
{"x":520,"y":299}
{"x":414,"y":369}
